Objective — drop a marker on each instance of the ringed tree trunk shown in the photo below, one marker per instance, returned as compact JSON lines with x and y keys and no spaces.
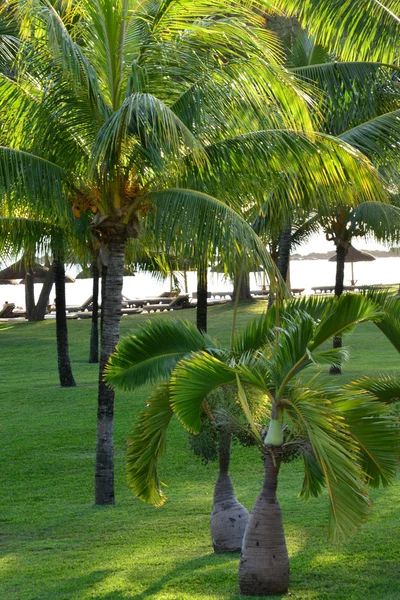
{"x":40,"y":309}
{"x":341,"y":252}
{"x":94,"y":333}
{"x":103,"y":292}
{"x":111,"y":317}
{"x":264,"y":562}
{"x":229,"y":518}
{"x":285,"y":244}
{"x":241,"y":287}
{"x":201,"y":311}
{"x":64,"y":364}
{"x":29,"y":294}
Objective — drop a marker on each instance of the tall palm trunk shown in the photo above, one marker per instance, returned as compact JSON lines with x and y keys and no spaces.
{"x":111,"y":315}
{"x":341,"y":252}
{"x":264,"y":562}
{"x":285,"y":244}
{"x":64,"y":363}
{"x":40,"y":309}
{"x":103,"y":292}
{"x":29,"y":294}
{"x":94,"y":333}
{"x":201,"y":313}
{"x":241,"y":286}
{"x":229,"y":518}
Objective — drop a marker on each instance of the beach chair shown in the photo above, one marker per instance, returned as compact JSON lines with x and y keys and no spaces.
{"x":87,"y":305}
{"x":176,"y":303}
{"x":7,"y":311}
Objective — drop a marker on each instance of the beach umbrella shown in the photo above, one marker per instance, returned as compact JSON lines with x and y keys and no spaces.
{"x":19,"y":269}
{"x":353,"y":255}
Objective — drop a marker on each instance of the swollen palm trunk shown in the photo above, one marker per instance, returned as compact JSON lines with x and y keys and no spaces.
{"x":111,"y":317}
{"x":229,"y":518}
{"x":264,"y":562}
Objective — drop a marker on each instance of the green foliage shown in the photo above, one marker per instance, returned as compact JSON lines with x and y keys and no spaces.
{"x":49,"y":519}
{"x":346,"y":440}
{"x":151,"y":354}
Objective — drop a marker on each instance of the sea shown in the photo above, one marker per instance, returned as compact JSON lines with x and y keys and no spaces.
{"x":303,"y":274}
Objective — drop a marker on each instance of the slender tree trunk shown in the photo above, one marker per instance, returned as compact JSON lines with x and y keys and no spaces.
{"x":40,"y":308}
{"x":264,"y":562}
{"x":111,"y":314}
{"x":285,"y":244}
{"x":229,"y":518}
{"x":201,"y":314}
{"x":241,"y":286}
{"x":94,"y":333}
{"x":29,"y":294}
{"x":341,"y":252}
{"x":103,"y":293}
{"x":64,"y":363}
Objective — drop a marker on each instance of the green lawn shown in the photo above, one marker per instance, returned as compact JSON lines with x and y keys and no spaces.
{"x":56,"y":544}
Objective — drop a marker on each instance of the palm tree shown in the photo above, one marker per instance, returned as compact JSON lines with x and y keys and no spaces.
{"x":141,"y":115}
{"x":345,"y":438}
{"x":367,"y":30}
{"x":40,"y":235}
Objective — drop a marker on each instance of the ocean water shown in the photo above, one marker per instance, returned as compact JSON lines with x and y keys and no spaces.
{"x":303,"y":274}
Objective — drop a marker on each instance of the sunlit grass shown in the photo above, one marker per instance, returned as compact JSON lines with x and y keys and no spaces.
{"x":55,"y":544}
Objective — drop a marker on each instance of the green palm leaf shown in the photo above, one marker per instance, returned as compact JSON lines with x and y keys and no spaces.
{"x":191,"y":381}
{"x":147,"y":445}
{"x":366,"y":30}
{"x":377,"y":138}
{"x":375,"y":433}
{"x":152,"y":353}
{"x":386,"y":388}
{"x":203,"y":224}
{"x":342,"y":314}
{"x":44,"y":188}
{"x":152,"y":124}
{"x":313,"y":416}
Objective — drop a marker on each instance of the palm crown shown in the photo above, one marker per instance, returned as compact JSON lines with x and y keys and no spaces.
{"x":343,"y":435}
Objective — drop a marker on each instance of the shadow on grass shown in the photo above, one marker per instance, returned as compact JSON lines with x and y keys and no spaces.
{"x":78,"y":586}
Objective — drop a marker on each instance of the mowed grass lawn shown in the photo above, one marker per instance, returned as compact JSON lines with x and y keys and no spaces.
{"x":56,"y":544}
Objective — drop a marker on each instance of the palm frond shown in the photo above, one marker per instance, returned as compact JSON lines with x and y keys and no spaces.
{"x":191,"y":381}
{"x":321,"y":170}
{"x":377,"y":138}
{"x":151,"y":354}
{"x":366,"y":30}
{"x":44,"y":188}
{"x":385,"y":388}
{"x":146,"y":446}
{"x":152,"y":124}
{"x":341,"y":314}
{"x":313,"y":416}
{"x":194,"y":224}
{"x":375,"y":433}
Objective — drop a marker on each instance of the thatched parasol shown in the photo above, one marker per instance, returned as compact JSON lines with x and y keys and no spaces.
{"x":19,"y":270}
{"x":353,"y":255}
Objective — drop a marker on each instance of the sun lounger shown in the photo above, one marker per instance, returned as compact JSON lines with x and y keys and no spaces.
{"x":176,"y":303}
{"x":86,"y":306}
{"x":297,"y":291}
{"x":7,"y":311}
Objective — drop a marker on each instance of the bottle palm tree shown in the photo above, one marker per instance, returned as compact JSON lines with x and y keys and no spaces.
{"x":142,"y":115}
{"x":344,"y":437}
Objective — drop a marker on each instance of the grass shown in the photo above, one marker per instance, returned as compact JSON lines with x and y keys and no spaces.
{"x":55,"y":544}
